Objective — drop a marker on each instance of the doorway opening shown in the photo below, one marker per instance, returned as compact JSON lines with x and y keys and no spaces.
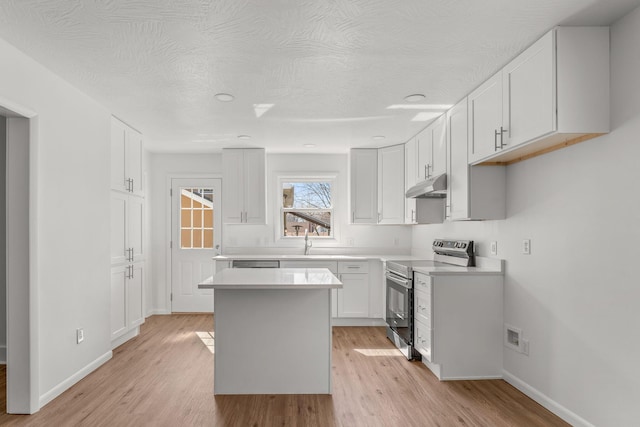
{"x":18,"y":325}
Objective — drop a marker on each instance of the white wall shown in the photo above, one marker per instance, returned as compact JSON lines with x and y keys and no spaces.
{"x":70,"y":142}
{"x":261,"y":238}
{"x":576,"y":304}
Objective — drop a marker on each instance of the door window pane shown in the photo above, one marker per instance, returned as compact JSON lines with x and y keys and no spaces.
{"x":196,"y":218}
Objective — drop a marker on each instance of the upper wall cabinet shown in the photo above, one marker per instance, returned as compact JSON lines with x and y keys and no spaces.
{"x":243,"y":172}
{"x":473,"y":192}
{"x":364,"y":186}
{"x":126,"y":158}
{"x":431,"y":144}
{"x":410,"y":179}
{"x":391,"y":198}
{"x":554,"y":94}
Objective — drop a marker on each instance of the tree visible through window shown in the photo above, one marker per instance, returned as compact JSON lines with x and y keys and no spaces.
{"x":307,"y":205}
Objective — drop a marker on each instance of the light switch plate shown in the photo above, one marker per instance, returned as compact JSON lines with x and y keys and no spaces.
{"x":526,"y":246}
{"x":494,"y":248}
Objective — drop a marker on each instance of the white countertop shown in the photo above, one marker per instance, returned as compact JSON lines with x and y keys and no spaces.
{"x":318,"y":257}
{"x":272,"y":278}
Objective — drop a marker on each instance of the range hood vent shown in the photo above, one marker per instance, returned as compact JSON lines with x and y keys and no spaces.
{"x":434,"y":188}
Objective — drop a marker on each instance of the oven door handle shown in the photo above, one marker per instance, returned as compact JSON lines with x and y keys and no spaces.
{"x":402,"y":282}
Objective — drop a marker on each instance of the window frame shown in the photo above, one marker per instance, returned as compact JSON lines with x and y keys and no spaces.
{"x":302,"y":177}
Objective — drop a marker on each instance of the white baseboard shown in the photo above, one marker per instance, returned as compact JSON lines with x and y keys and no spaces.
{"x":157,"y":311}
{"x":356,"y":321}
{"x":66,"y":384}
{"x":564,"y":413}
{"x":3,"y":354}
{"x":124,"y":338}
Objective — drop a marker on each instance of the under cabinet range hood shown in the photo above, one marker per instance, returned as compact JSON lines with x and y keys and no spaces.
{"x":434,"y":188}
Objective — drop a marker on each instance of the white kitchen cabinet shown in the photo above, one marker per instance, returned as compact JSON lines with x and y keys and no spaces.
{"x":127,"y":298}
{"x":126,"y":158}
{"x":127,"y":218}
{"x":410,"y":164}
{"x":364,"y":186}
{"x":458,"y":325}
{"x":473,"y":192}
{"x":432,"y":150}
{"x":243,"y":172}
{"x":353,"y":298}
{"x":391,"y":198}
{"x":553,"y":94}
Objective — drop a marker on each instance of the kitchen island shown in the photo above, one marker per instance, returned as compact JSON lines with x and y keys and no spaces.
{"x":272,"y":330}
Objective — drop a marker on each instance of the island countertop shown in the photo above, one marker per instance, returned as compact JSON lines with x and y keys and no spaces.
{"x":272,"y":278}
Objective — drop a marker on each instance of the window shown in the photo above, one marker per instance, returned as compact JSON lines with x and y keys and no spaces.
{"x":196,"y":218}
{"x":307,"y":205}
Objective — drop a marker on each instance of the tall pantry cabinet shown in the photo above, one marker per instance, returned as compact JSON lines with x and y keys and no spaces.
{"x":127,"y":231}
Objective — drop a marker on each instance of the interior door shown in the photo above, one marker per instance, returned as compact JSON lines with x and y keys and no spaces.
{"x":196,"y":227}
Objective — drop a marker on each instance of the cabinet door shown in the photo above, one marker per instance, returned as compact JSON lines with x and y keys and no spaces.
{"x":529,"y":93}
{"x":458,"y":174}
{"x":391,"y":199}
{"x":439,"y":147}
{"x":411,"y":165}
{"x":118,"y":155}
{"x":119,"y":218}
{"x":353,"y":298}
{"x":135,"y":295}
{"x":133,"y":162}
{"x":135,"y":216}
{"x":424,"y":147}
{"x":119,"y":319}
{"x":364,"y":186}
{"x":423,"y":338}
{"x":254,"y":186}
{"x":233,"y":185}
{"x":485,"y":118}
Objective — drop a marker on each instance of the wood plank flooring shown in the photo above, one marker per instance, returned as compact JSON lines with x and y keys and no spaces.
{"x":164,"y":377}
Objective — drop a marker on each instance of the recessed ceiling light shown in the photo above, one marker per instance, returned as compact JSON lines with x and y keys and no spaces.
{"x":310,"y":145}
{"x":416,"y":97}
{"x":224,"y":97}
{"x":245,"y":137}
{"x":378,"y":137}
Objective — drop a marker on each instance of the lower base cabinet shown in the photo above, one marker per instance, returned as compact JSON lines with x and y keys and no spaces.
{"x":127,"y":298}
{"x":458,"y":325}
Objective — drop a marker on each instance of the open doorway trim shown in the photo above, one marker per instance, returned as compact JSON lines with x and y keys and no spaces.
{"x":21,"y":288}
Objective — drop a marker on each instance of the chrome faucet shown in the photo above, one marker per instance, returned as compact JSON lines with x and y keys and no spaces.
{"x":307,"y":243}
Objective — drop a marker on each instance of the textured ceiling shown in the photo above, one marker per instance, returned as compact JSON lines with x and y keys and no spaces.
{"x":330,"y":67}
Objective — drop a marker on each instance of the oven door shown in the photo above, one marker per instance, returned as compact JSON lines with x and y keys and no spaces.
{"x":399,"y":305}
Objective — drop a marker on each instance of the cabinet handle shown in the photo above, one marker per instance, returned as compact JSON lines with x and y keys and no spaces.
{"x":428,"y":171}
{"x":425,"y":171}
{"x":495,"y":140}
{"x":353,"y":217}
{"x":379,"y":215}
{"x":413,"y":213}
{"x":353,"y":266}
{"x":131,"y":271}
{"x":502,"y":132}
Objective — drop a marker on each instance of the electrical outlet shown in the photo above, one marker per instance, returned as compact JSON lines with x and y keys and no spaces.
{"x":494,"y":248}
{"x":526,"y":246}
{"x":79,"y":335}
{"x":525,"y":347}
{"x":350,"y":241}
{"x":396,"y":241}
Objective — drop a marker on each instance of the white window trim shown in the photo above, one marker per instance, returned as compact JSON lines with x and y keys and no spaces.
{"x":331,"y":177}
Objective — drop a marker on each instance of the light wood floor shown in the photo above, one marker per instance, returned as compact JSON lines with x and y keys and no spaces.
{"x":164,"y":377}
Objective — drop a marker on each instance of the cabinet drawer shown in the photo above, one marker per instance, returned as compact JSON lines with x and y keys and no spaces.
{"x":346,"y":267}
{"x":422,"y":308}
{"x":331,"y":265}
{"x":422,"y":283}
{"x":423,"y":339}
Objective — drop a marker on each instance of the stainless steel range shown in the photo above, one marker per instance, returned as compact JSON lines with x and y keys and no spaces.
{"x":399,"y":289}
